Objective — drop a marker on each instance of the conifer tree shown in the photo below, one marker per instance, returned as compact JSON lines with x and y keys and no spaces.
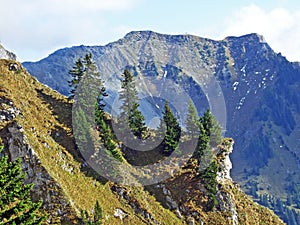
{"x":16,"y":207}
{"x":192,"y":119}
{"x":77,"y":72}
{"x":96,"y":218}
{"x":212,"y":127}
{"x":173,"y":131}
{"x":209,"y":136}
{"x":104,"y":128}
{"x":130,"y":114}
{"x":88,"y":59}
{"x":209,"y":177}
{"x":203,"y":143}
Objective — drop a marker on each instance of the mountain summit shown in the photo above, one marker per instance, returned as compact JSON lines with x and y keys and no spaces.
{"x":253,"y":91}
{"x":36,"y":126}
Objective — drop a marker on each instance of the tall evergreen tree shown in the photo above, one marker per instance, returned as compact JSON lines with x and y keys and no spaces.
{"x":77,"y":72}
{"x":130,"y":114}
{"x":212,"y":127}
{"x":203,"y":147}
{"x":192,"y":119}
{"x":209,"y":177}
{"x":88,"y":59}
{"x":16,"y":207}
{"x":173,"y":131}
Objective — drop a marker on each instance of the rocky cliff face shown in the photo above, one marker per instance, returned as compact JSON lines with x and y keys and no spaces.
{"x":55,"y":203}
{"x":35,"y":124}
{"x":249,"y":87}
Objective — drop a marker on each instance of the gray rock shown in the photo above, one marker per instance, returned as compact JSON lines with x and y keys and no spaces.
{"x":119,"y":213}
{"x":178,"y":214}
{"x":45,"y":187}
{"x":4,"y":54}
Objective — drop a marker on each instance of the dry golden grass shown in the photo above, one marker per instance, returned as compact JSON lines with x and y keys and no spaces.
{"x":45,"y":113}
{"x":46,"y":119}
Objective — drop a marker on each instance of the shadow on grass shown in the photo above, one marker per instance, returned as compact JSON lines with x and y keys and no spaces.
{"x":63,"y":112}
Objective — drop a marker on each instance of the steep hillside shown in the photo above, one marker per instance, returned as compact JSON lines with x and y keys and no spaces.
{"x":35,"y":124}
{"x":250,"y":88}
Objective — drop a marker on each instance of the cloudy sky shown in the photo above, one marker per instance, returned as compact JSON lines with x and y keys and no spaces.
{"x":35,"y":28}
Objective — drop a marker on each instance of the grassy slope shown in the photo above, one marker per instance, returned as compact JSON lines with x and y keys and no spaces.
{"x":47,"y":112}
{"x":46,"y":119}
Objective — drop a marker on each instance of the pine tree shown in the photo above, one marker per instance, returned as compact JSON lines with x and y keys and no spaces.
{"x":82,"y":132}
{"x":100,"y":104}
{"x":16,"y":206}
{"x":130,"y":114}
{"x":203,"y":152}
{"x":192,"y":120}
{"x":209,"y":137}
{"x":212,"y":127}
{"x":209,"y":177}
{"x":77,"y":72}
{"x":110,"y":145}
{"x":173,"y":131}
{"x":106,"y":133}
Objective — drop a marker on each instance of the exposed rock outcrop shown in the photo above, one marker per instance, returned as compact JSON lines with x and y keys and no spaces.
{"x":135,"y":205}
{"x":4,"y":54}
{"x":225,"y":200}
{"x":45,"y":187}
{"x":259,"y":88}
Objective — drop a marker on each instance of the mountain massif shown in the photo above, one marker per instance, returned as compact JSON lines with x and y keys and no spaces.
{"x":253,"y":92}
{"x":36,"y":126}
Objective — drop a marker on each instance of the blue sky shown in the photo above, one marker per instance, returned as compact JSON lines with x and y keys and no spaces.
{"x":35,"y":28}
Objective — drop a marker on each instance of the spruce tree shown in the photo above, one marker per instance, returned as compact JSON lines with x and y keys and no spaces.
{"x":172,"y":129}
{"x":192,"y":120}
{"x":212,"y":127}
{"x":209,"y":178}
{"x":16,"y":207}
{"x":130,"y":115}
{"x":77,"y":72}
{"x":104,"y":128}
{"x":203,"y":143}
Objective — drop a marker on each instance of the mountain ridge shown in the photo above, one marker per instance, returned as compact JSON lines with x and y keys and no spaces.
{"x":260,"y":106}
{"x":40,"y":116}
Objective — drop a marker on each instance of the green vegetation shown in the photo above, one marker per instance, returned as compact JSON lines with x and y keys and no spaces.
{"x":192,"y":119}
{"x":210,"y":136}
{"x":16,"y":207}
{"x":105,"y":131}
{"x":77,"y":73}
{"x":212,"y":128}
{"x":209,"y":177}
{"x":50,"y":113}
{"x":172,"y":131}
{"x":130,"y":114}
{"x":285,"y":211}
{"x":95,"y":218}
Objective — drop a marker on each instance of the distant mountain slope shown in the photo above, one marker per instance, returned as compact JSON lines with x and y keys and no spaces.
{"x":35,"y":124}
{"x":260,"y":89}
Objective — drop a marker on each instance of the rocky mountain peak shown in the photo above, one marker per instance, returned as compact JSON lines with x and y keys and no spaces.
{"x":4,"y":54}
{"x":253,"y":37}
{"x":35,"y":124}
{"x":260,"y":89}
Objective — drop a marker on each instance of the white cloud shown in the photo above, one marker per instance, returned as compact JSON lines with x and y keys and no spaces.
{"x":33,"y":28}
{"x":279,"y":26}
